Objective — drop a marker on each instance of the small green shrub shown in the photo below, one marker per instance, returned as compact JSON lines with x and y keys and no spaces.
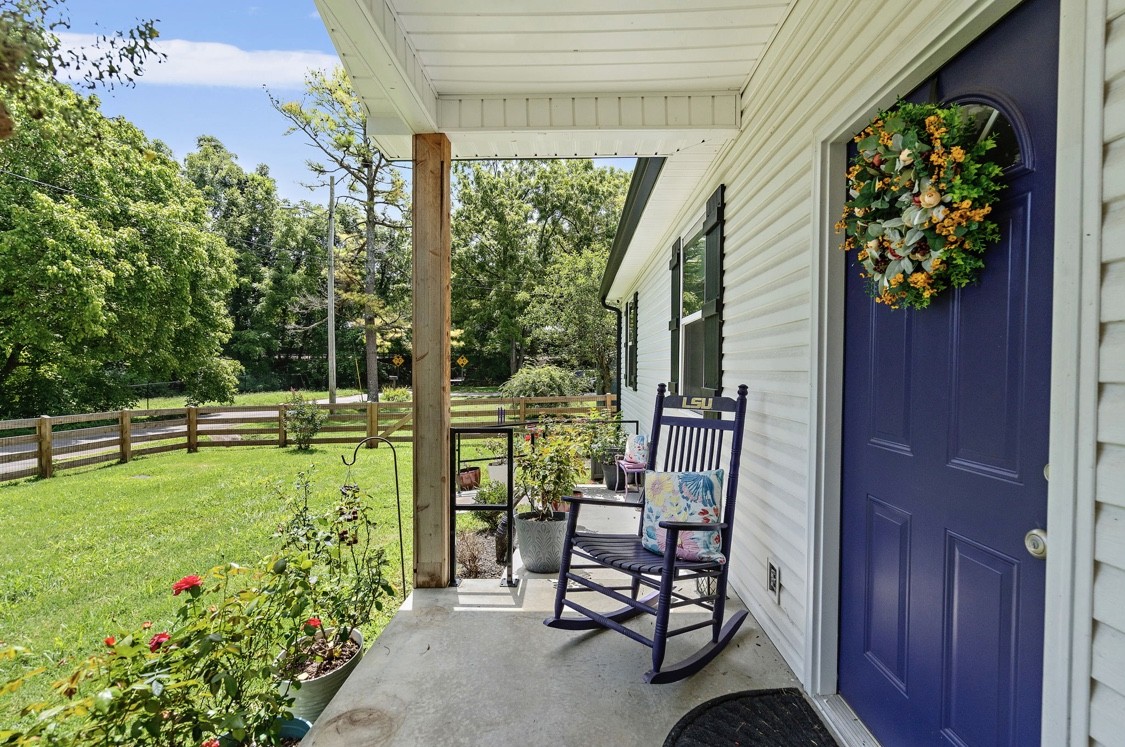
{"x":303,"y":420}
{"x":493,"y":494}
{"x":395,"y":394}
{"x":541,"y":381}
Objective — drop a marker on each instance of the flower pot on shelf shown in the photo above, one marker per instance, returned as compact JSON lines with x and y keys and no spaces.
{"x":468,"y":478}
{"x":541,"y":542}
{"x":311,"y":696}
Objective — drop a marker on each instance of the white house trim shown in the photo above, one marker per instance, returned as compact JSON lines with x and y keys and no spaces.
{"x":385,"y":71}
{"x":1074,"y":375}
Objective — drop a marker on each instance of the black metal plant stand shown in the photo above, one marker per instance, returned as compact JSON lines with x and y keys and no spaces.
{"x":508,"y":508}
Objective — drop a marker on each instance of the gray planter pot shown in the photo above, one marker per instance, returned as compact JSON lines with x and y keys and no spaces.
{"x":541,"y":542}
{"x":498,"y":473}
{"x":312,"y":696}
{"x":612,"y":476}
{"x":596,"y":471}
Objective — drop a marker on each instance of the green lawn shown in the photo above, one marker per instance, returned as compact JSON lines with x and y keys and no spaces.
{"x":246,"y":398}
{"x":90,"y":553}
{"x":274,"y":398}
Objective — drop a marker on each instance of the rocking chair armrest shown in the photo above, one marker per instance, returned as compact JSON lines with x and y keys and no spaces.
{"x":691,"y":526}
{"x":584,"y":501}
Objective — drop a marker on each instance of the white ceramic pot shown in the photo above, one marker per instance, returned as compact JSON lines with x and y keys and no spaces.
{"x":312,"y":696}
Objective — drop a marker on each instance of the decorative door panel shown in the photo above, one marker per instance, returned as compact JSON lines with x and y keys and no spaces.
{"x":944,"y":442}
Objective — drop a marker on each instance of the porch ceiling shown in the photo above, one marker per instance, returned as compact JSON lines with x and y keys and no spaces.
{"x":538,"y":78}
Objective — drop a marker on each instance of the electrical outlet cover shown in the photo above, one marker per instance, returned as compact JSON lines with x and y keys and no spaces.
{"x":773,"y":580}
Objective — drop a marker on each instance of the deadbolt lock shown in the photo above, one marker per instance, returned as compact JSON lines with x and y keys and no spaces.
{"x":1036,"y":543}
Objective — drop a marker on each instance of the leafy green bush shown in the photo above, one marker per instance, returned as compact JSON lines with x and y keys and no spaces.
{"x":541,"y":381}
{"x":494,"y":494}
{"x":395,"y":394}
{"x":303,"y":420}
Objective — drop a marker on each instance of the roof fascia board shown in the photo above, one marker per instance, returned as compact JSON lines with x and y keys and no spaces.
{"x":377,"y":52}
{"x":707,"y":110}
{"x":645,"y":174}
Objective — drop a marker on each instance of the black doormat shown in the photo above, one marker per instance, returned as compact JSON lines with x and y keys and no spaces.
{"x":762,"y":718}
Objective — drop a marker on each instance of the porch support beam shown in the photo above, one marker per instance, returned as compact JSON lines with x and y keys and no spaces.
{"x":432,"y":251}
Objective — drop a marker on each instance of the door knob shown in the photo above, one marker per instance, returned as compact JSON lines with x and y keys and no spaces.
{"x":1036,"y":543}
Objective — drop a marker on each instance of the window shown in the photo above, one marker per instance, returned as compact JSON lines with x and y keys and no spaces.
{"x":696,"y":269}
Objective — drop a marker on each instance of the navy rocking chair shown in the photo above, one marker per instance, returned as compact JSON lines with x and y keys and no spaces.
{"x":682,"y":441}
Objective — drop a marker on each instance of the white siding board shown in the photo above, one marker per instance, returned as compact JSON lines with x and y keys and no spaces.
{"x":1109,"y":596}
{"x":1113,"y":233}
{"x":1113,"y":292}
{"x":1107,"y":714}
{"x":1106,"y":665}
{"x":1111,"y":366}
{"x":1109,"y":537}
{"x":1107,"y":695}
{"x":1111,"y":476}
{"x":1111,"y":414}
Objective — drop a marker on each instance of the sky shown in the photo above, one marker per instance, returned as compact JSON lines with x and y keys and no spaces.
{"x":222,"y":56}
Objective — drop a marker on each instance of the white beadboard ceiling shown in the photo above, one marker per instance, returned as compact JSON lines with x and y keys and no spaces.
{"x":538,"y":78}
{"x":561,"y":78}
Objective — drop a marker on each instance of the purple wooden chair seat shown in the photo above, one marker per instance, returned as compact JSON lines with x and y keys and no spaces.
{"x":688,"y":442}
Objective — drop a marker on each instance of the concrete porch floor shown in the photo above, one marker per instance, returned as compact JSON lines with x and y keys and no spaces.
{"x":474,"y":665}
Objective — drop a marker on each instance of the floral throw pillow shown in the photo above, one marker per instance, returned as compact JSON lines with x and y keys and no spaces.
{"x":683,"y":496}
{"x":636,"y":449}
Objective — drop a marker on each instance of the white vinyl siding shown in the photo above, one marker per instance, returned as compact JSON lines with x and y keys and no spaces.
{"x":811,"y":76}
{"x":1107,"y":690}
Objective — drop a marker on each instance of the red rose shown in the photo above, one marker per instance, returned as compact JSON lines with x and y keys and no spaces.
{"x":312,"y":622}
{"x":186,"y":583}
{"x":157,"y":640}
{"x":212,"y":742}
{"x":110,"y":641}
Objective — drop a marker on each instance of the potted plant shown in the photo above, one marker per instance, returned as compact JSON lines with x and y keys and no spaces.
{"x":548,"y":468}
{"x":606,"y":439}
{"x":332,"y":556}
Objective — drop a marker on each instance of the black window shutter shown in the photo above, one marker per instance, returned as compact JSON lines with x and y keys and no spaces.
{"x":626,"y":351}
{"x":633,"y":336}
{"x":713,"y":296}
{"x":674,"y":324}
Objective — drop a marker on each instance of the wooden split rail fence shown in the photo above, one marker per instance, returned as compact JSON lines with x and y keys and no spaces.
{"x":44,"y":445}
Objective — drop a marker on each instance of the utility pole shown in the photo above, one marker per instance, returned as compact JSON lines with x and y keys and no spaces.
{"x":332,"y":290}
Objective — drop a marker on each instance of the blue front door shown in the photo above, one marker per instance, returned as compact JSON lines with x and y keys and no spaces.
{"x":945,"y":444}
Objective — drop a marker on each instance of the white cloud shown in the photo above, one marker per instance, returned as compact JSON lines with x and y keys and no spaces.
{"x":192,"y":63}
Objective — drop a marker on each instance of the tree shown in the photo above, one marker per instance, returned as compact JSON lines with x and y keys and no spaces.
{"x":108,"y":276}
{"x":243,"y":209}
{"x":334,"y":121}
{"x":523,"y":234}
{"x":571,"y":322}
{"x":30,"y":51}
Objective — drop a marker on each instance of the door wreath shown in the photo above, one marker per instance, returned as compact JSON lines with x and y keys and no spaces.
{"x":920,"y":191}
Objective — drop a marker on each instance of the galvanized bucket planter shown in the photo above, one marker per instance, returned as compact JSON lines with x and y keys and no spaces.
{"x":313,"y":695}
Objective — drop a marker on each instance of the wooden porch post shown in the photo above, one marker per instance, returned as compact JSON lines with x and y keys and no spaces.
{"x":431,"y":208}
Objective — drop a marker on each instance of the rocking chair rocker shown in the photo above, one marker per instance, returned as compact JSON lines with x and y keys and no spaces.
{"x":688,"y":443}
